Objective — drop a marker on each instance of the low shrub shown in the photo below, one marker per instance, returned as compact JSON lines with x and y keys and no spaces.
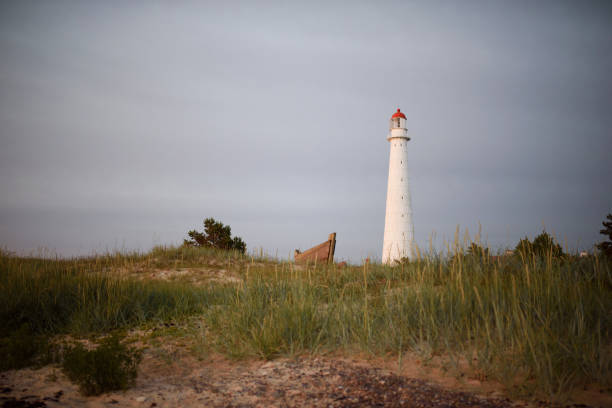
{"x":22,"y":348}
{"x":109,"y":367}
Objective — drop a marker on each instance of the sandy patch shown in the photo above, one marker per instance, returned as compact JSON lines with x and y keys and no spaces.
{"x":217,"y":382}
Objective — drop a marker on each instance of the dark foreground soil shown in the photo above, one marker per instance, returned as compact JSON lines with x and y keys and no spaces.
{"x":281,"y":383}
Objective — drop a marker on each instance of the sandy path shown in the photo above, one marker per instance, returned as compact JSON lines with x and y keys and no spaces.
{"x":315,"y":382}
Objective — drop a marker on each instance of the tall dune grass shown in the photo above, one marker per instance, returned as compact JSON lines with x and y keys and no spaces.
{"x":82,"y":295}
{"x":533,"y":323}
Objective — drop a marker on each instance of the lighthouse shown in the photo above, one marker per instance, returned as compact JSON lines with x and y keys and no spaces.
{"x":399,"y":231}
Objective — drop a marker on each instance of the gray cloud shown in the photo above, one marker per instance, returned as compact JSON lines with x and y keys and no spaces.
{"x":125,"y":125}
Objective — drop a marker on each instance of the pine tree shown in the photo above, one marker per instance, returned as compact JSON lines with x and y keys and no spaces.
{"x":478,"y":251}
{"x":541,"y":246}
{"x":606,"y":246}
{"x":545,"y":243}
{"x":215,"y":235}
{"x":524,"y":247}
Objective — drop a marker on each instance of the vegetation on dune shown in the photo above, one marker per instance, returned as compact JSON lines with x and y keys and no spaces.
{"x":81,"y":296}
{"x":536,"y":321}
{"x":215,"y":235}
{"x":23,"y":348}
{"x":110,"y":366}
{"x":542,"y":323}
{"x":606,"y":246}
{"x":542,"y":245}
{"x":478,"y":250}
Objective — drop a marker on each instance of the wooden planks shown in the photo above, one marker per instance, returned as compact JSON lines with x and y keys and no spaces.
{"x":323,"y":252}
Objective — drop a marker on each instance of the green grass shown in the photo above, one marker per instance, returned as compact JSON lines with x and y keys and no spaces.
{"x":85,"y":295}
{"x":532,"y":323}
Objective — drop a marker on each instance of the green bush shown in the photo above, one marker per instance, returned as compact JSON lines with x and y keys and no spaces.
{"x":478,"y":251}
{"x":23,"y":349}
{"x":542,"y":246}
{"x":111,"y":366}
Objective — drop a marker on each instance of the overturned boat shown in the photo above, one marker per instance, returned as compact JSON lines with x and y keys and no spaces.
{"x":323,"y":252}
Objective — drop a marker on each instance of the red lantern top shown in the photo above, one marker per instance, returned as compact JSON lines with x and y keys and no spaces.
{"x":398,"y":114}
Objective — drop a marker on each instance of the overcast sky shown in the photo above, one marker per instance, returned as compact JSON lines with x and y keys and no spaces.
{"x":123,"y":125}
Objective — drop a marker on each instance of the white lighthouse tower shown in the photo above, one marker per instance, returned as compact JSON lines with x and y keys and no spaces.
{"x":399,"y":231}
